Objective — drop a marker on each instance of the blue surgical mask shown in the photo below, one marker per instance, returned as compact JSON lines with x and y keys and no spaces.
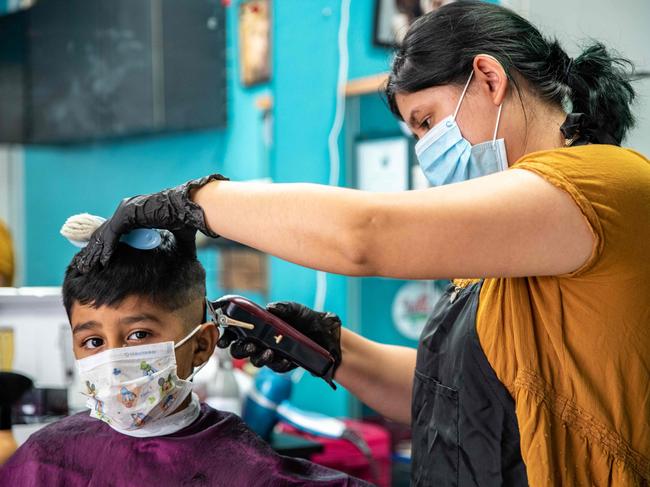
{"x":447,"y":157}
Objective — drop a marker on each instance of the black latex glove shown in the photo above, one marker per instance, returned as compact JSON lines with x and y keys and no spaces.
{"x":322,"y":328}
{"x":170,"y":209}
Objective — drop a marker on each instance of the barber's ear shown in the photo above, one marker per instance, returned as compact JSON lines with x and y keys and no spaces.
{"x":491,"y":77}
{"x":206,"y":341}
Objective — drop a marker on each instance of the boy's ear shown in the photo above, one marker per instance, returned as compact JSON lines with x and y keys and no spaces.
{"x":206,"y":341}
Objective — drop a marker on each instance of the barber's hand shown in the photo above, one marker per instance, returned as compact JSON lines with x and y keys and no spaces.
{"x":170,"y":209}
{"x":322,"y":328}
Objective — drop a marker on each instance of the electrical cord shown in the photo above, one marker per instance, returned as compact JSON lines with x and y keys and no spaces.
{"x":363,"y":447}
{"x":335,"y":131}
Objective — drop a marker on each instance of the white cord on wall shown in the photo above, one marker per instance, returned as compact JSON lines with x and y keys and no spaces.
{"x":335,"y":131}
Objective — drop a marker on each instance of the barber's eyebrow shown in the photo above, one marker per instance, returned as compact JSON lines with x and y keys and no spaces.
{"x":88,"y":325}
{"x":413,"y":118}
{"x":129,"y":320}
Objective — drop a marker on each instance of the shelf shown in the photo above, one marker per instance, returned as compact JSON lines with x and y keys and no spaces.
{"x":354,"y":87}
{"x":366,"y":85}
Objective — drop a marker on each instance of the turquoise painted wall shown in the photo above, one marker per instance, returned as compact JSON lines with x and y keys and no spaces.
{"x":61,"y":181}
{"x":304,"y":87}
{"x":375,"y":294}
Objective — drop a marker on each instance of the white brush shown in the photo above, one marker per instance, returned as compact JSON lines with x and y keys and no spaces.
{"x":79,"y":228}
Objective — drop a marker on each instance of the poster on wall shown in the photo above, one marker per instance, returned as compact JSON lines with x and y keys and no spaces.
{"x":413,"y":305}
{"x":382,"y":164}
{"x":255,"y":41}
{"x":393,"y":18}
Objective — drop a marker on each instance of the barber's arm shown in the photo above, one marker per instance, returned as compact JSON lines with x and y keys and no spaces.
{"x":379,"y":375}
{"x":509,"y":224}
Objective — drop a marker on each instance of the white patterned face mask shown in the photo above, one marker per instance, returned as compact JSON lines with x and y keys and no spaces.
{"x":134,"y":388}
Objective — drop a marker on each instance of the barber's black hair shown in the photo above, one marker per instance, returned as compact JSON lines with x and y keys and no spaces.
{"x":439,"y":49}
{"x":169,"y":276}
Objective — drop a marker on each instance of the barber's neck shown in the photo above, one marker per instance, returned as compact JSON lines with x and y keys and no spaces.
{"x":542,"y":132}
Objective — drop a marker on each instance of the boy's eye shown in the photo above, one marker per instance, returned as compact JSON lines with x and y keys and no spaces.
{"x":139,"y":335}
{"x":426,"y":123}
{"x":93,"y":343}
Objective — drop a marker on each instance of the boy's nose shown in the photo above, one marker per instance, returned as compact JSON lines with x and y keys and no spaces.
{"x":116,"y":342}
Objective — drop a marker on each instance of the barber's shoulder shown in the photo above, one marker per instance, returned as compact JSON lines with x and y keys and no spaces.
{"x":598,"y":171}
{"x":584,"y":157}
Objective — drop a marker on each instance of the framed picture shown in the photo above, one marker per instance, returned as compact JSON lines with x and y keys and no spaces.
{"x":242,"y":268}
{"x":394,"y":17}
{"x":255,"y":41}
{"x":382,"y":164}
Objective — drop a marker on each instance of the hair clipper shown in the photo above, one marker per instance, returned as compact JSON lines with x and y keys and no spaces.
{"x":252,"y":322}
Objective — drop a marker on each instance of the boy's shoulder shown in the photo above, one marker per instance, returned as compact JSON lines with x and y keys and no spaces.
{"x":74,"y":449}
{"x":43,"y":458}
{"x":50,"y":440}
{"x":73,"y":425}
{"x":82,"y":425}
{"x":65,"y":428}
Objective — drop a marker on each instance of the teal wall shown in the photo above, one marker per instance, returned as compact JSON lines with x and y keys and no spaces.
{"x":375,"y":295}
{"x":61,"y":181}
{"x":304,"y":87}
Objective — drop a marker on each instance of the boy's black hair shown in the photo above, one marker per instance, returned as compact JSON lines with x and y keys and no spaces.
{"x":169,"y":276}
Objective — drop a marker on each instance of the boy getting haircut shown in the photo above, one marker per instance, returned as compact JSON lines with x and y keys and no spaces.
{"x":146,"y":427}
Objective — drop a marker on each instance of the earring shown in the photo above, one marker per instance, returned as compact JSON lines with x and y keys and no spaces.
{"x":568,"y":142}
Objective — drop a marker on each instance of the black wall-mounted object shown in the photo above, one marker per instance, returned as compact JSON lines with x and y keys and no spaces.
{"x":78,"y":70}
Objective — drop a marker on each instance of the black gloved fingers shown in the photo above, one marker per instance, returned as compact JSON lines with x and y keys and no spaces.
{"x":288,"y":311}
{"x":322,"y":327}
{"x":104,"y":240}
{"x":282,"y":365}
{"x":226,"y":339}
{"x":317,"y":325}
{"x":262,"y":357}
{"x":98,"y":250}
{"x":279,"y":306}
{"x":186,"y":238}
{"x":237,"y":350}
{"x":302,"y":317}
{"x":243,"y":349}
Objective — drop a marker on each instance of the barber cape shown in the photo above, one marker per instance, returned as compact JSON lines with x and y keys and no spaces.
{"x":218,"y":449}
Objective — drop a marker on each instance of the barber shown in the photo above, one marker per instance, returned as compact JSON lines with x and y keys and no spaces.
{"x":538,"y":372}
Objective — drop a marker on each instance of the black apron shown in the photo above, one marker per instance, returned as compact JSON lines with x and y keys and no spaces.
{"x":465,"y":430}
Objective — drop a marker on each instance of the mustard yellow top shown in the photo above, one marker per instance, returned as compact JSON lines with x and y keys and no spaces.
{"x":574,"y":350}
{"x":6,"y":257}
